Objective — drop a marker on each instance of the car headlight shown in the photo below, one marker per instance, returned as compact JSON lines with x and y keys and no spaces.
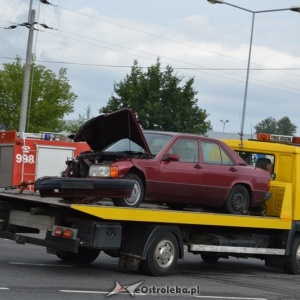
{"x":103,"y":171}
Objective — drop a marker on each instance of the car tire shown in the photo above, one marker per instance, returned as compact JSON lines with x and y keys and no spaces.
{"x":292,"y":261}
{"x":161,"y":256}
{"x":238,"y":200}
{"x":137,"y":195}
{"x":83,"y":256}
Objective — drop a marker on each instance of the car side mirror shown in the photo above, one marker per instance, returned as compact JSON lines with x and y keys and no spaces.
{"x":171,"y":157}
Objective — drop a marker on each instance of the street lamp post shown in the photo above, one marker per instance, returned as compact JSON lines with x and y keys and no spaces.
{"x":295,"y":9}
{"x":224,"y":122}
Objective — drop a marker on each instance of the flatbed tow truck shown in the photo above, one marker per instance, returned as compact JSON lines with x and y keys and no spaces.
{"x":152,"y":238}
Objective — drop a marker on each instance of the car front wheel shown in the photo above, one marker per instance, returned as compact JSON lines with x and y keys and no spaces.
{"x":238,"y":200}
{"x":137,"y":195}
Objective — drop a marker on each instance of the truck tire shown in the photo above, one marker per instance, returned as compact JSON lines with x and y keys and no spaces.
{"x":292,"y":261}
{"x":137,"y":195}
{"x":161,"y":256}
{"x":238,"y":200}
{"x":210,"y":258}
{"x":83,"y":256}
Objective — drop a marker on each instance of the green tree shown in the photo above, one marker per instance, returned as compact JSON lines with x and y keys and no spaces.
{"x":283,"y":126}
{"x":160,"y":100}
{"x":286,"y":127}
{"x":50,"y":97}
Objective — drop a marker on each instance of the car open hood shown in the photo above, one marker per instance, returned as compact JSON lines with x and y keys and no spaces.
{"x":100,"y":132}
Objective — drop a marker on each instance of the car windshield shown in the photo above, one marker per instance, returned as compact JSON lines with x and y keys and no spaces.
{"x":156,"y":142}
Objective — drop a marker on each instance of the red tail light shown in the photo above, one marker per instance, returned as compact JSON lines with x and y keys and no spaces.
{"x":58,"y":231}
{"x":64,"y":232}
{"x":68,"y":234}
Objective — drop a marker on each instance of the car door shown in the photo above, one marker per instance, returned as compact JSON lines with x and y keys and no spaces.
{"x":219,"y":172}
{"x":180,"y":180}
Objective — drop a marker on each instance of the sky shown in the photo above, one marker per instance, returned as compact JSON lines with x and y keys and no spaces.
{"x":97,"y":41}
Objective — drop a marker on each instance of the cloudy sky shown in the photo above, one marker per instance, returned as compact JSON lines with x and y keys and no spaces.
{"x":97,"y":41}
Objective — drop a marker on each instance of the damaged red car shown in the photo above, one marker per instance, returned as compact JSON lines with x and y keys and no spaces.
{"x":173,"y":168}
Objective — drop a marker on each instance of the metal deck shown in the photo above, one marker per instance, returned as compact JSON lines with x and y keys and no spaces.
{"x":156,"y":214}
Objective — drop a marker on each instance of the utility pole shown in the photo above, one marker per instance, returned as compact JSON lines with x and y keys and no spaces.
{"x":26,"y":83}
{"x":29,"y":12}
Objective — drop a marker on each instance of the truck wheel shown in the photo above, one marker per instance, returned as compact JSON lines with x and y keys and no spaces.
{"x":83,"y":256}
{"x":238,"y":200}
{"x":137,"y":195}
{"x":161,"y":256}
{"x":292,"y":261}
{"x":62,"y":255}
{"x":211,"y":258}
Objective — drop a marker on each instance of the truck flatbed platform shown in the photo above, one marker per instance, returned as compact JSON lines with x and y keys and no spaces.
{"x":187,"y":217}
{"x":32,"y":197}
{"x":152,"y":213}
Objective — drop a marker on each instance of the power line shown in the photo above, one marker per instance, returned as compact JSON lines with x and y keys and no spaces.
{"x":121,"y":66}
{"x":157,"y":36}
{"x":195,"y":67}
{"x":175,"y":68}
{"x":200,"y":69}
{"x":160,"y":37}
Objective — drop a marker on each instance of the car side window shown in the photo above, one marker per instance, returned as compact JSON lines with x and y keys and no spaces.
{"x":187,"y":149}
{"x":214,"y":154}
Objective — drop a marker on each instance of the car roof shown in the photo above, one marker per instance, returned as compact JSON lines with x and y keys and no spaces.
{"x":102,"y":131}
{"x":182,"y":134}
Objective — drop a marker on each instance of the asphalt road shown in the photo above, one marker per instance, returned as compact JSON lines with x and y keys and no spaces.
{"x":28,"y":272}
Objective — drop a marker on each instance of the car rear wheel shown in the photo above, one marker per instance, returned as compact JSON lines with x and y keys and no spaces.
{"x":238,"y":200}
{"x":137,"y":195}
{"x":161,"y":256}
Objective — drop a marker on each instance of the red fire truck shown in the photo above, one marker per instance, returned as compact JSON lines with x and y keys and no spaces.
{"x":25,"y":158}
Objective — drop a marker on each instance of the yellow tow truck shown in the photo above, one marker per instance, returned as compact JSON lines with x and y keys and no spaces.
{"x":280,"y":155}
{"x":152,"y":238}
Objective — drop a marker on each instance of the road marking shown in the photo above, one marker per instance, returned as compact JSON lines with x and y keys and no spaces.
{"x":39,"y":265}
{"x":191,"y":296}
{"x":228,"y":298}
{"x":86,"y":292}
{"x":4,"y":288}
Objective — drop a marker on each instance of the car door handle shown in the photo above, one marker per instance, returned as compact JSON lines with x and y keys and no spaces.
{"x":197,"y":167}
{"x":232,"y":169}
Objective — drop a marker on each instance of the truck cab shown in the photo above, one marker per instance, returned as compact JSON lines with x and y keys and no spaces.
{"x":281,"y":154}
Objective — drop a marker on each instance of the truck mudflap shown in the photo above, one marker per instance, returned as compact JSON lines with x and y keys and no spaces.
{"x":83,"y":187}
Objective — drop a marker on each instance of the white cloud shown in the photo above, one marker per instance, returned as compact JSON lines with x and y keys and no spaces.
{"x":184,"y":35}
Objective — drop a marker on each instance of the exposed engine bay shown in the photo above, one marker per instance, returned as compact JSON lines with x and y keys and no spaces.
{"x":79,"y":166}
